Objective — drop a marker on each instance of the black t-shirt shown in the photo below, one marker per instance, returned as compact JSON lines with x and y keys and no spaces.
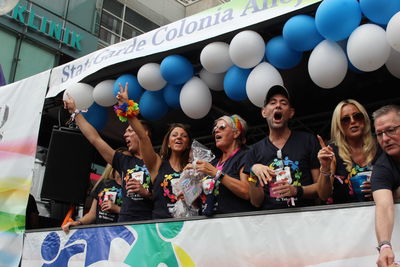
{"x":299,"y":155}
{"x":385,"y":174}
{"x":226,"y":200}
{"x":134,"y":207}
{"x":164,"y":196}
{"x":107,"y":189}
{"x":342,"y":188}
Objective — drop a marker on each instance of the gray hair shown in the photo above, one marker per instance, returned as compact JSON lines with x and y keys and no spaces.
{"x":386,"y":110}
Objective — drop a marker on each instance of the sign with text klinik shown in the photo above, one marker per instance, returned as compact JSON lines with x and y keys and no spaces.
{"x":51,"y":28}
{"x":207,"y":24}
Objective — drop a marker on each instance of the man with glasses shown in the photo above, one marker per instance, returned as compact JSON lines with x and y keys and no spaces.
{"x":283,"y":166}
{"x":385,"y":178}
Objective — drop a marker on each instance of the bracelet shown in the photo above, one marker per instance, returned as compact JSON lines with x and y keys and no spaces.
{"x":383,"y":244}
{"x":127,"y":110}
{"x":299,"y":191}
{"x":252,"y":180}
{"x":219,"y":175}
{"x":325,"y":173}
{"x":74,"y":114}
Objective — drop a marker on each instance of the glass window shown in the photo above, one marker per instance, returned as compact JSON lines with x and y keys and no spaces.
{"x":111,"y":23}
{"x":57,"y":7}
{"x":7,"y":47}
{"x":114,"y":7}
{"x":32,"y":60}
{"x":108,"y":36}
{"x":82,"y":13}
{"x":129,"y":32}
{"x":139,"y":21}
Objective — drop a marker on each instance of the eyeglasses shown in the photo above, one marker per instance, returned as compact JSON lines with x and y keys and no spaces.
{"x":356,"y":116}
{"x":389,"y":132}
{"x":220,"y":127}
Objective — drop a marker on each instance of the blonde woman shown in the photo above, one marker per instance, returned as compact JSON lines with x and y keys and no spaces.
{"x":351,"y":152}
{"x":107,"y":200}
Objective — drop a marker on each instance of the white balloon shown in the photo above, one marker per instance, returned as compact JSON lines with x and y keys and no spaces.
{"x":7,"y":5}
{"x":247,"y":49}
{"x":195,"y":98}
{"x":393,"y":63}
{"x":214,"y":81}
{"x":82,"y":94}
{"x":215,"y":57}
{"x":367,"y":47}
{"x":327,"y":64}
{"x":393,"y":32}
{"x":260,"y":79}
{"x":103,"y":93}
{"x":149,"y":77}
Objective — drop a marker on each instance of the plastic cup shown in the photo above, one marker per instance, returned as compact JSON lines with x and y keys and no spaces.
{"x":271,"y":185}
{"x":356,"y":182}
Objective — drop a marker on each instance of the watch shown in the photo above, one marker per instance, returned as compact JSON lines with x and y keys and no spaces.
{"x":384,"y":243}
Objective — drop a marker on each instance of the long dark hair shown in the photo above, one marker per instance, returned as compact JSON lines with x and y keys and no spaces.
{"x":165,"y":151}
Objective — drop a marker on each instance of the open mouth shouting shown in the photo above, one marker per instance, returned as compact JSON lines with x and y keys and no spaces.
{"x":278,"y":115}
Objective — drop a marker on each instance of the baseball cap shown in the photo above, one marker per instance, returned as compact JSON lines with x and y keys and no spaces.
{"x":276,"y":89}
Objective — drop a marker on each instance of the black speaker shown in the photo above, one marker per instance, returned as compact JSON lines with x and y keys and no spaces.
{"x":68,"y":165}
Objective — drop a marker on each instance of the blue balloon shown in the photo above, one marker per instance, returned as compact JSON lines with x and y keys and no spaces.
{"x":301,"y":34}
{"x":280,"y":55}
{"x":176,"y":69}
{"x":97,"y":116}
{"x":135,"y":91}
{"x":235,"y":83}
{"x":336,"y":19}
{"x":152,"y":105}
{"x":171,"y":95}
{"x":380,"y":11}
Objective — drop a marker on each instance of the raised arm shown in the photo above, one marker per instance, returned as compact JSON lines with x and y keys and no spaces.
{"x":150,"y":158}
{"x":89,"y":131}
{"x":327,"y":160}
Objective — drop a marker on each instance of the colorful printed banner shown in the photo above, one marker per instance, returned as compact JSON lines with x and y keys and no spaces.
{"x":202,"y":26}
{"x":326,"y":238}
{"x":21,"y":104}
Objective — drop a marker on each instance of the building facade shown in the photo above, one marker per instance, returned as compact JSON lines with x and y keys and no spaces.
{"x":38,"y":35}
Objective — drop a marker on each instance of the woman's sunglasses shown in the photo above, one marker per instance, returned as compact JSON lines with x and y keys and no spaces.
{"x":356,"y":116}
{"x":220,"y":127}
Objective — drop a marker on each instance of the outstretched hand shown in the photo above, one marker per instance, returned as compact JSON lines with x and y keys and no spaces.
{"x":69,"y":104}
{"x":122,"y":96}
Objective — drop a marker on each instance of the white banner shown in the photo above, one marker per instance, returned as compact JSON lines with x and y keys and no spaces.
{"x":202,"y":26}
{"x":327,"y":238}
{"x":21,"y":104}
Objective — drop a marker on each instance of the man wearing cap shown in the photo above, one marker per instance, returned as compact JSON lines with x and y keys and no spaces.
{"x":385,"y":179}
{"x":283,"y":166}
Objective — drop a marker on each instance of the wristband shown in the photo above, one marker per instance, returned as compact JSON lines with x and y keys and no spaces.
{"x":252,"y":180}
{"x":325,"y":173}
{"x":74,"y":114}
{"x":219,"y":175}
{"x":383,"y":244}
{"x":299,"y":191}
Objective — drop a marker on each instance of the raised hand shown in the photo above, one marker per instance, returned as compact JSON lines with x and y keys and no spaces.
{"x":69,"y":104}
{"x":326,"y":155}
{"x":122,"y":96}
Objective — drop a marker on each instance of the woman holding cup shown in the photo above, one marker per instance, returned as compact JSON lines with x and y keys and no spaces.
{"x":107,"y":200}
{"x":346,"y":163}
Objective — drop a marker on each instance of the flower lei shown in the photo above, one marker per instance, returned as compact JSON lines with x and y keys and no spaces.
{"x":127,"y":110}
